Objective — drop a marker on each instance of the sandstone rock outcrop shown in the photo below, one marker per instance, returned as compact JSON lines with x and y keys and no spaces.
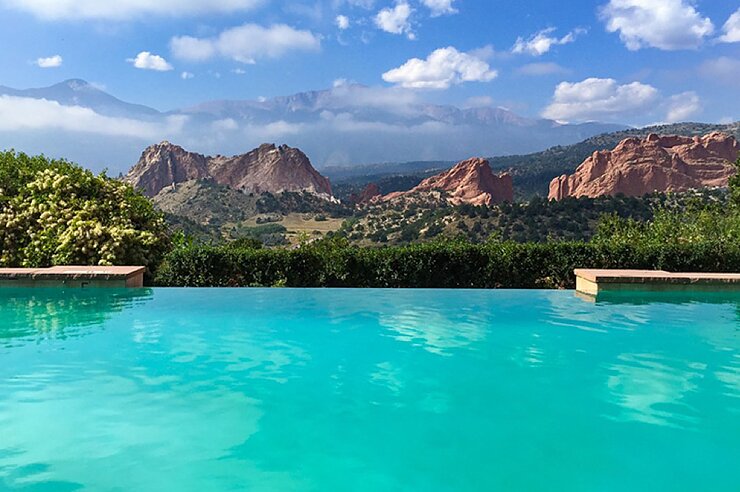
{"x":267,"y":168}
{"x":366,"y":195}
{"x":470,"y":181}
{"x":657,"y":163}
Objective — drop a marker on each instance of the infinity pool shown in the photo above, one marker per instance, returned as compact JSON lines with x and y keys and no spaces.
{"x":353,"y":390}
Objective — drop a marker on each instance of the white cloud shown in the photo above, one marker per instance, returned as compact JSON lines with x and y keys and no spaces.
{"x":239,"y":71}
{"x":540,"y":43}
{"x":148,"y":61}
{"x":366,"y":4}
{"x":594,"y":99}
{"x":683,"y":106}
{"x":479,"y":102}
{"x":395,"y":20}
{"x":226,"y":124}
{"x":246,"y":43}
{"x":440,"y":7}
{"x":538,"y":69}
{"x":731,"y":29}
{"x":342,"y":22}
{"x":23,"y":113}
{"x":50,"y":62}
{"x":724,"y":70}
{"x":126,"y":9}
{"x":187,"y":75}
{"x":396,"y":100}
{"x":662,"y":24}
{"x":442,"y":68}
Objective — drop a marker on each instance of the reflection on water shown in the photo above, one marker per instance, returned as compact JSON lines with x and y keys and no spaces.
{"x":653,"y":390}
{"x":435,"y":331}
{"x":130,"y":448}
{"x":387,"y":376}
{"x":58,"y":313}
{"x":227,"y":390}
{"x":729,"y":375}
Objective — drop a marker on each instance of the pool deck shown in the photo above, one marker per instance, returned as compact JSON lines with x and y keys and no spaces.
{"x":74,"y":276}
{"x":595,"y":282}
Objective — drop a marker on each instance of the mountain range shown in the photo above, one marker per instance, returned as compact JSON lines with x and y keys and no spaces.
{"x":347,"y":124}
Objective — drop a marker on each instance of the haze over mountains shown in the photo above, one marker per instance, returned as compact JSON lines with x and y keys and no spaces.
{"x":347,"y":124}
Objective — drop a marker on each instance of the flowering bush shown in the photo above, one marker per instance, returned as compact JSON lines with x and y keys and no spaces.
{"x":54,"y":212}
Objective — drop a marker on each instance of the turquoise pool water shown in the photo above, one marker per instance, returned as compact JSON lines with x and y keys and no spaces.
{"x":342,"y":390}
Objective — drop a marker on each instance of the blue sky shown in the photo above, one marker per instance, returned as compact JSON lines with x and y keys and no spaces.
{"x":627,"y":61}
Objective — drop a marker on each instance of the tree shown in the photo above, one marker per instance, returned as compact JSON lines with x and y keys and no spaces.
{"x":53,"y":212}
{"x":735,"y":185}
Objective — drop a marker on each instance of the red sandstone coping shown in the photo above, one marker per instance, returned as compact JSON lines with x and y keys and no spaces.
{"x":655,"y":277}
{"x":130,"y":276}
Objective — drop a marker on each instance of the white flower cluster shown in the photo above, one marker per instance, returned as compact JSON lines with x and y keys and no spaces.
{"x":77,"y":218}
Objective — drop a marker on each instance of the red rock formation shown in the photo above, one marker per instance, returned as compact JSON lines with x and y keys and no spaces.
{"x":163,"y":164}
{"x":366,"y":196}
{"x":657,"y":163}
{"x":265,"y":169}
{"x":470,"y":181}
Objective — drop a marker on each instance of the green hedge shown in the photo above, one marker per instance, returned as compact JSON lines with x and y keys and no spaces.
{"x":436,"y":265}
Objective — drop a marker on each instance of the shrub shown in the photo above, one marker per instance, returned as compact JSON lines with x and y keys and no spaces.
{"x":53,"y":212}
{"x":438,"y":264}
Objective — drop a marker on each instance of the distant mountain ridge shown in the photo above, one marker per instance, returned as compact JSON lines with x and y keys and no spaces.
{"x":346,"y":124}
{"x":77,"y":92}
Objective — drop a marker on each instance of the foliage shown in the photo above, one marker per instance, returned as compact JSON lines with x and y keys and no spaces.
{"x":697,"y":223}
{"x":53,"y":212}
{"x":301,"y":202}
{"x":538,"y":220}
{"x":437,"y":264}
{"x":270,"y":234}
{"x":735,"y":185}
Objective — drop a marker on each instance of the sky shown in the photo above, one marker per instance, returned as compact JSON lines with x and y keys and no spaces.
{"x":635,"y":62}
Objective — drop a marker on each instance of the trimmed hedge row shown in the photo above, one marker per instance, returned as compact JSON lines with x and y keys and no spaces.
{"x":436,"y":265}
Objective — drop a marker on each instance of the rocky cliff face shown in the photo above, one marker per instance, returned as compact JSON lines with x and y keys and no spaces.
{"x":163,"y":164}
{"x":657,"y":163}
{"x":470,"y":181}
{"x":265,"y":169}
{"x":366,"y":195}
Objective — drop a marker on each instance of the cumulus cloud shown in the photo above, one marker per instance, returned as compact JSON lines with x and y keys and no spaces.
{"x":187,"y":75}
{"x":539,"y":69}
{"x":594,"y":99}
{"x":395,"y":20}
{"x":49,"y":62}
{"x":540,"y":43}
{"x":731,"y":29}
{"x":662,"y":24}
{"x":683,"y":106}
{"x":342,"y":22}
{"x":126,"y":9}
{"x":441,"y":69}
{"x":440,"y":7}
{"x":23,"y":113}
{"x":148,"y":61}
{"x":246,"y":43}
